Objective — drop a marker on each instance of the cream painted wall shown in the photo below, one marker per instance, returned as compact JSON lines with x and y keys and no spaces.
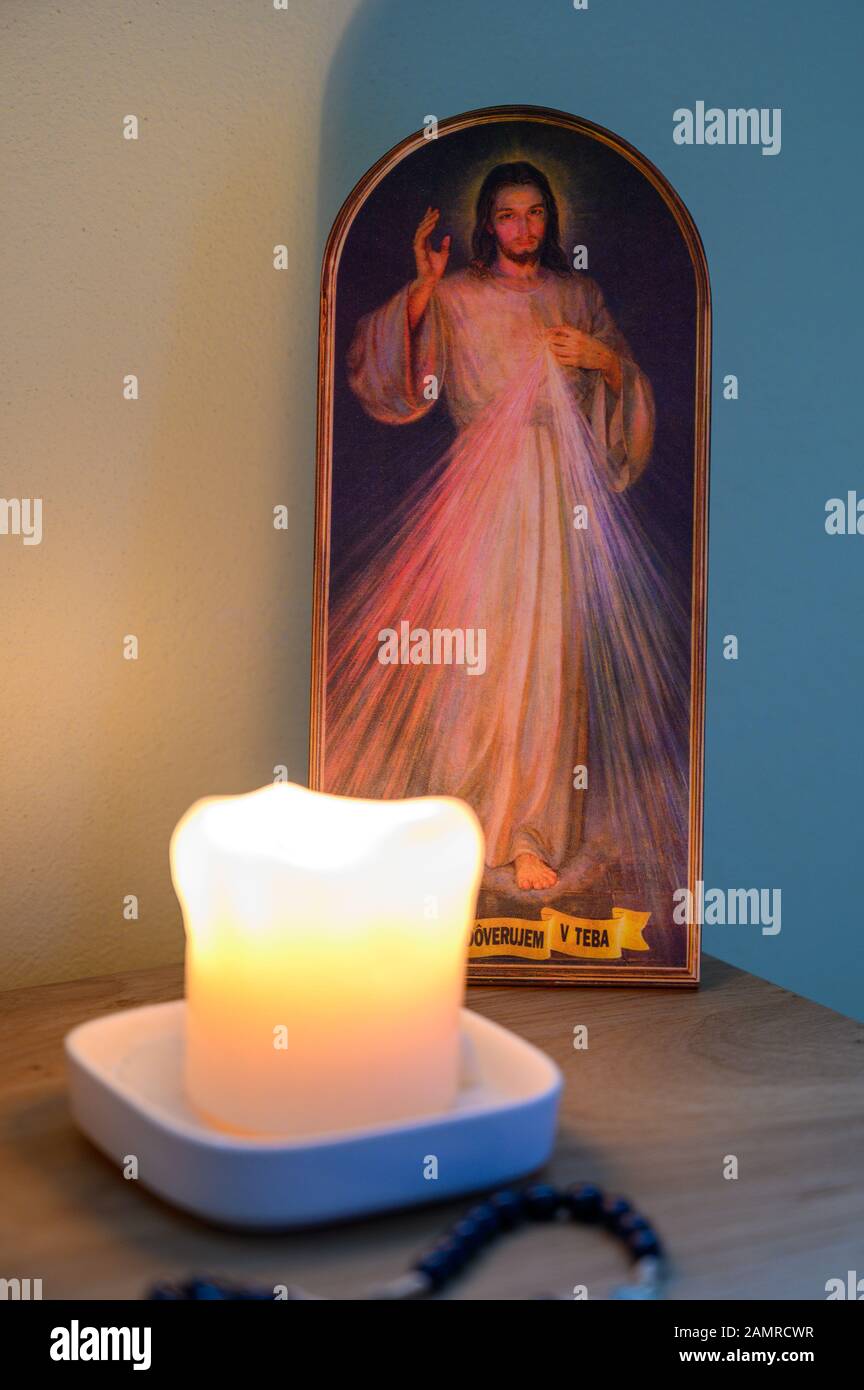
{"x":154,"y":257}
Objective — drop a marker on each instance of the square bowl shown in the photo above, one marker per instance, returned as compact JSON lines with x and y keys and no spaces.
{"x":126,"y":1086}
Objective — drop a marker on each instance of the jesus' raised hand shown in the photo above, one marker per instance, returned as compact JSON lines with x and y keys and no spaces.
{"x":430,"y":264}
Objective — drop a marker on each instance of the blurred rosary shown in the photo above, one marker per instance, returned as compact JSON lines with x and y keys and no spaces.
{"x":494,"y":1216}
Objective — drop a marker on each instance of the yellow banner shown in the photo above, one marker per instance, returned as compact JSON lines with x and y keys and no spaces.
{"x":585,"y":937}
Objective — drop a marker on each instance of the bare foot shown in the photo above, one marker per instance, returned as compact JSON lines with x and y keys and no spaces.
{"x":533,"y":872}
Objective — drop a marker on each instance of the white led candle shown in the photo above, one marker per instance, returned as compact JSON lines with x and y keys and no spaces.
{"x":326,"y":943}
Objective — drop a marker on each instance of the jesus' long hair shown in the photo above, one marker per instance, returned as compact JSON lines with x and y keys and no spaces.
{"x":483,"y":243}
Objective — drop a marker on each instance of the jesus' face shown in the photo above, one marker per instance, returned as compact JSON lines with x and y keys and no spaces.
{"x":518,"y":222}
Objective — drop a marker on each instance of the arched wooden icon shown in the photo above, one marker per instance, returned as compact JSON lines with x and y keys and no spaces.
{"x":510,"y":578}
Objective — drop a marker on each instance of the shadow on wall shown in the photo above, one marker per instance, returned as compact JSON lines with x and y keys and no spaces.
{"x":379,"y":88}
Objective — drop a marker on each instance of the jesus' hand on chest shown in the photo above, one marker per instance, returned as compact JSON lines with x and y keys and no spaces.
{"x":573,"y":348}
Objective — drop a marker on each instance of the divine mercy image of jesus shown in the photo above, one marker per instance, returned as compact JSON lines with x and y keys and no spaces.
{"x":505,"y":623}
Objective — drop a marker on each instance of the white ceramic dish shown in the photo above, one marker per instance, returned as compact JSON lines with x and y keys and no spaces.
{"x":125,"y":1077}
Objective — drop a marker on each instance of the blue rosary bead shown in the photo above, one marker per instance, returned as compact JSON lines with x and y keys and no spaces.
{"x":613,"y":1212}
{"x":585,"y":1202}
{"x":542,"y":1201}
{"x":509,"y":1207}
{"x":440,"y":1265}
{"x":487,"y":1221}
{"x":204,"y":1290}
{"x":460,"y":1250}
{"x":468,"y":1234}
{"x":642,"y":1243}
{"x":631,"y":1222}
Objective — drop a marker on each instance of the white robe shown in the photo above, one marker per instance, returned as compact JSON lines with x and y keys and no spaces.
{"x":487,"y":541}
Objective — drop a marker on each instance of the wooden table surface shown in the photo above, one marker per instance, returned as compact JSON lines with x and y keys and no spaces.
{"x":671,"y":1083}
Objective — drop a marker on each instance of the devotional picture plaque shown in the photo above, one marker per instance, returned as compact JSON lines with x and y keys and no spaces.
{"x":511,"y":530}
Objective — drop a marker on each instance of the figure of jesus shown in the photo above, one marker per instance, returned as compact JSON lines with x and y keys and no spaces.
{"x":551,"y":413}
